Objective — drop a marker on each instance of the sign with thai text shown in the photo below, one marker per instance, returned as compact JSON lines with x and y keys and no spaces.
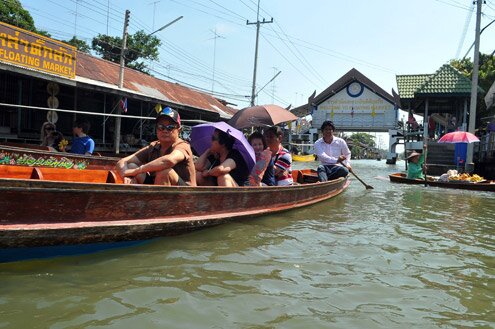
{"x":34,"y":51}
{"x":356,"y":108}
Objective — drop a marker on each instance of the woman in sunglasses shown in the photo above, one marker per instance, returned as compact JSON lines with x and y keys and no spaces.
{"x":46,"y":130}
{"x":221,"y":164}
{"x":167,"y":161}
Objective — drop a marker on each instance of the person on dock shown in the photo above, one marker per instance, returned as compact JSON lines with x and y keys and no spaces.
{"x":262,"y":173}
{"x":281,"y":158}
{"x":46,"y":129}
{"x":167,"y":161}
{"x":333,"y":153}
{"x":221,"y":165}
{"x":415,"y":165}
{"x":82,"y":143}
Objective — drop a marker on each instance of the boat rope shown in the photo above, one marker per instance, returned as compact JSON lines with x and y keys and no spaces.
{"x":90,"y":113}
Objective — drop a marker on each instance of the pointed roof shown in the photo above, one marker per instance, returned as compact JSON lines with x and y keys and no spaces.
{"x":346,"y":79}
{"x":446,"y":80}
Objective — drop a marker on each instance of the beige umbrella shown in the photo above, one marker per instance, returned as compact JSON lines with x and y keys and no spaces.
{"x":261,"y":115}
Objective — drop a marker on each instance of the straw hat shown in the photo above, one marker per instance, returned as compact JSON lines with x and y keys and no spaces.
{"x":413,"y":154}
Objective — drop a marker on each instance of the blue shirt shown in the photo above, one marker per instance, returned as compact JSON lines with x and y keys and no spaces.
{"x":82,"y":145}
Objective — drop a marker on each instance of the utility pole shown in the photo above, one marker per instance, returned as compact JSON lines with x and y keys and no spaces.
{"x":154,"y":11}
{"x":258,"y":23}
{"x":108,"y":13}
{"x":474,"y":86}
{"x":118,"y":120}
{"x":275,"y":69}
{"x":215,"y":37}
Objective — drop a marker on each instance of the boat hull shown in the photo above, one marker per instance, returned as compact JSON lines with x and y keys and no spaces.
{"x":44,"y":213}
{"x":401,"y":178}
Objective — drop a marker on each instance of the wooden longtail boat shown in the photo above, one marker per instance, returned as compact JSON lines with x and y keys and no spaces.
{"x":488,"y":186}
{"x":40,"y":156}
{"x":303,"y":157}
{"x":50,"y":206}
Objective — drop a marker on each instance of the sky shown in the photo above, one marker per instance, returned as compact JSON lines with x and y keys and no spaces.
{"x":312,"y":42}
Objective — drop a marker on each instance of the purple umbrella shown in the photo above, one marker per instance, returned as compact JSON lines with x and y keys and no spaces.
{"x":201,"y":140}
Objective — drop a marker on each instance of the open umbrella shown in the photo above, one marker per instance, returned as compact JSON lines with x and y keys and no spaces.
{"x":201,"y":140}
{"x":261,"y":115}
{"x":458,"y":137}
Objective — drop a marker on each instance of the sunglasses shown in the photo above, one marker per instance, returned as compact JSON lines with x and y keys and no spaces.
{"x":49,"y":128}
{"x":165,"y":127}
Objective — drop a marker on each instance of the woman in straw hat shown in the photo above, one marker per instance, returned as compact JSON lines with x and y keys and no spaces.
{"x":415,"y":167}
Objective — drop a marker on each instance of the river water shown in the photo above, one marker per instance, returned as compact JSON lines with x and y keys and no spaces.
{"x":397,"y":256}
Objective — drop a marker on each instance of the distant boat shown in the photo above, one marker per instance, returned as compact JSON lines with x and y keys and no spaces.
{"x":488,"y":186}
{"x":303,"y":157}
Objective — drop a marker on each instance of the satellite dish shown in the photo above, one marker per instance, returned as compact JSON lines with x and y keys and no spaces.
{"x":52,"y":117}
{"x":52,"y":102}
{"x":52,"y":88}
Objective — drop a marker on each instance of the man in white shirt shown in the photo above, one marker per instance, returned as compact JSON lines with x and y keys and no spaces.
{"x":333,"y":154}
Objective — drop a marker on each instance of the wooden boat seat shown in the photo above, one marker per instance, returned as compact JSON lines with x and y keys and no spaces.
{"x":58,"y":174}
{"x":304,"y":176}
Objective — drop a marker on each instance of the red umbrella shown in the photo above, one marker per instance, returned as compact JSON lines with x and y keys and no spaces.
{"x":261,"y":115}
{"x":459,"y":137}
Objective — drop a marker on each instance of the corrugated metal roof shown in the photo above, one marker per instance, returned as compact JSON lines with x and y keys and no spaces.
{"x":107,"y":73}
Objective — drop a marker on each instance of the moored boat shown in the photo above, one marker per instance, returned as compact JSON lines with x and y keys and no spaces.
{"x":49,"y":206}
{"x":40,"y":156}
{"x":488,"y":186}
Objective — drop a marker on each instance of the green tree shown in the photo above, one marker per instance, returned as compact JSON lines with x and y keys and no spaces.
{"x":140,"y":46}
{"x":485,"y":80}
{"x":81,"y":45}
{"x":363,"y":139}
{"x":12,"y":12}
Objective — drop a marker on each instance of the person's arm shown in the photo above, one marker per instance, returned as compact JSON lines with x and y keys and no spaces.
{"x":202,"y":162}
{"x":345,"y":157}
{"x":224,"y":168}
{"x":90,"y":147}
{"x":323,"y":156}
{"x":159,"y":164}
{"x":123,"y":164}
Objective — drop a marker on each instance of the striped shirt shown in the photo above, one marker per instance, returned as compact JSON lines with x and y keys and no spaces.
{"x":283,"y":160}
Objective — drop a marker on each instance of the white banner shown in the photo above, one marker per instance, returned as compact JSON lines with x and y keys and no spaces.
{"x":356,"y":108}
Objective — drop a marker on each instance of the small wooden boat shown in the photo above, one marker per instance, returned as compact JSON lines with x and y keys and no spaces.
{"x":50,"y":206}
{"x":15,"y":154}
{"x":303,"y":157}
{"x":481,"y":186}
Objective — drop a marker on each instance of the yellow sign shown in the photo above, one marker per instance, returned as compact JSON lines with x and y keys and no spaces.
{"x":34,"y":51}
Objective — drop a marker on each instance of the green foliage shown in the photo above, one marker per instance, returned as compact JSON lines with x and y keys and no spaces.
{"x":485,"y":79}
{"x":363,"y":139}
{"x":81,"y":45}
{"x":12,"y":12}
{"x":140,"y":46}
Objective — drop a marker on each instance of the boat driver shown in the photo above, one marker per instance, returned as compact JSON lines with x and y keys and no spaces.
{"x":167,"y":161}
